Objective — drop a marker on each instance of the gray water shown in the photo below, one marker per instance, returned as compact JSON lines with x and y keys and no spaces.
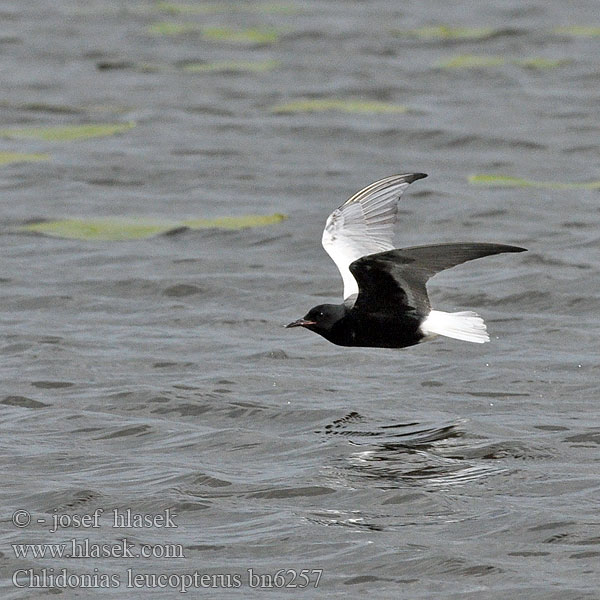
{"x":155,"y":374}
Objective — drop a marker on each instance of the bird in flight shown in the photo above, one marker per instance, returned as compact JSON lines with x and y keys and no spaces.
{"x":385,"y":296}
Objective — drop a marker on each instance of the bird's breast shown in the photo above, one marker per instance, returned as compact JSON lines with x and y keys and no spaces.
{"x":377,"y":331}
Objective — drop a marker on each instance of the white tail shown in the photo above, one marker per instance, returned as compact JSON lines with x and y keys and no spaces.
{"x":467,"y":326}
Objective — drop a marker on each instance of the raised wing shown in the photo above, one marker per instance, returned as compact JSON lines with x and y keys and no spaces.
{"x":364,"y":224}
{"x":395,"y":281}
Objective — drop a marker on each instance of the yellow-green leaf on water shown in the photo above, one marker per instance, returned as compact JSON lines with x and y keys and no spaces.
{"x":181,"y":8}
{"x":8,"y":158}
{"x":339,"y":105}
{"x":178,"y":8}
{"x":232,"y":66}
{"x":122,"y":229}
{"x":253,"y":35}
{"x":578,"y":30}
{"x":100,"y":229}
{"x":507,"y":180}
{"x":473,"y":61}
{"x":243,"y":222}
{"x":541,"y":63}
{"x":443,"y":32}
{"x":66,"y":133}
{"x":172,"y":28}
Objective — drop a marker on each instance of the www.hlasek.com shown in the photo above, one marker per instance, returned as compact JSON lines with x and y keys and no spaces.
{"x":182,"y":582}
{"x":84,"y":548}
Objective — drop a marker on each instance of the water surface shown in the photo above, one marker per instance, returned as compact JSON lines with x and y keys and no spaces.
{"x":155,"y":374}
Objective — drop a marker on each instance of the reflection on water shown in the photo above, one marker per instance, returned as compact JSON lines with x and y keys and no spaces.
{"x":413,"y":454}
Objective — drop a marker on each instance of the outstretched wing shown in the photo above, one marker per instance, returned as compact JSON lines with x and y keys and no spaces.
{"x":396,"y":280}
{"x":364,"y":224}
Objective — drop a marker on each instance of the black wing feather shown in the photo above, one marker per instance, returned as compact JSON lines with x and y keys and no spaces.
{"x":395,"y":280}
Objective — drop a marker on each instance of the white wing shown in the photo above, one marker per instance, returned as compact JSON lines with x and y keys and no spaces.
{"x":364,"y":224}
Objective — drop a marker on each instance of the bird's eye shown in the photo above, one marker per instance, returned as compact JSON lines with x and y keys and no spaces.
{"x":321,"y":314}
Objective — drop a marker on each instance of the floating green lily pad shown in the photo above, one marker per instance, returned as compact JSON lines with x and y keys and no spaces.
{"x":579,"y":30}
{"x":506,"y":180}
{"x":172,"y":28}
{"x":254,"y":35}
{"x":231,"y":66}
{"x":339,"y":105}
{"x":101,"y":229}
{"x":472,"y":61}
{"x":542,"y":63}
{"x":180,"y":8}
{"x":121,"y":229}
{"x":443,"y":32}
{"x":66,"y":133}
{"x":243,"y":222}
{"x":8,"y":158}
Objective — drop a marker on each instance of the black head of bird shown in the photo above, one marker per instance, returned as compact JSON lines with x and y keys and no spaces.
{"x":321,"y":319}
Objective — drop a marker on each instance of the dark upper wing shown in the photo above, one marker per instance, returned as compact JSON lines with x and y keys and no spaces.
{"x":395,"y":280}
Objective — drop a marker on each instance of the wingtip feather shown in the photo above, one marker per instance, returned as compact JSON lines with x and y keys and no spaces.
{"x":414,"y":177}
